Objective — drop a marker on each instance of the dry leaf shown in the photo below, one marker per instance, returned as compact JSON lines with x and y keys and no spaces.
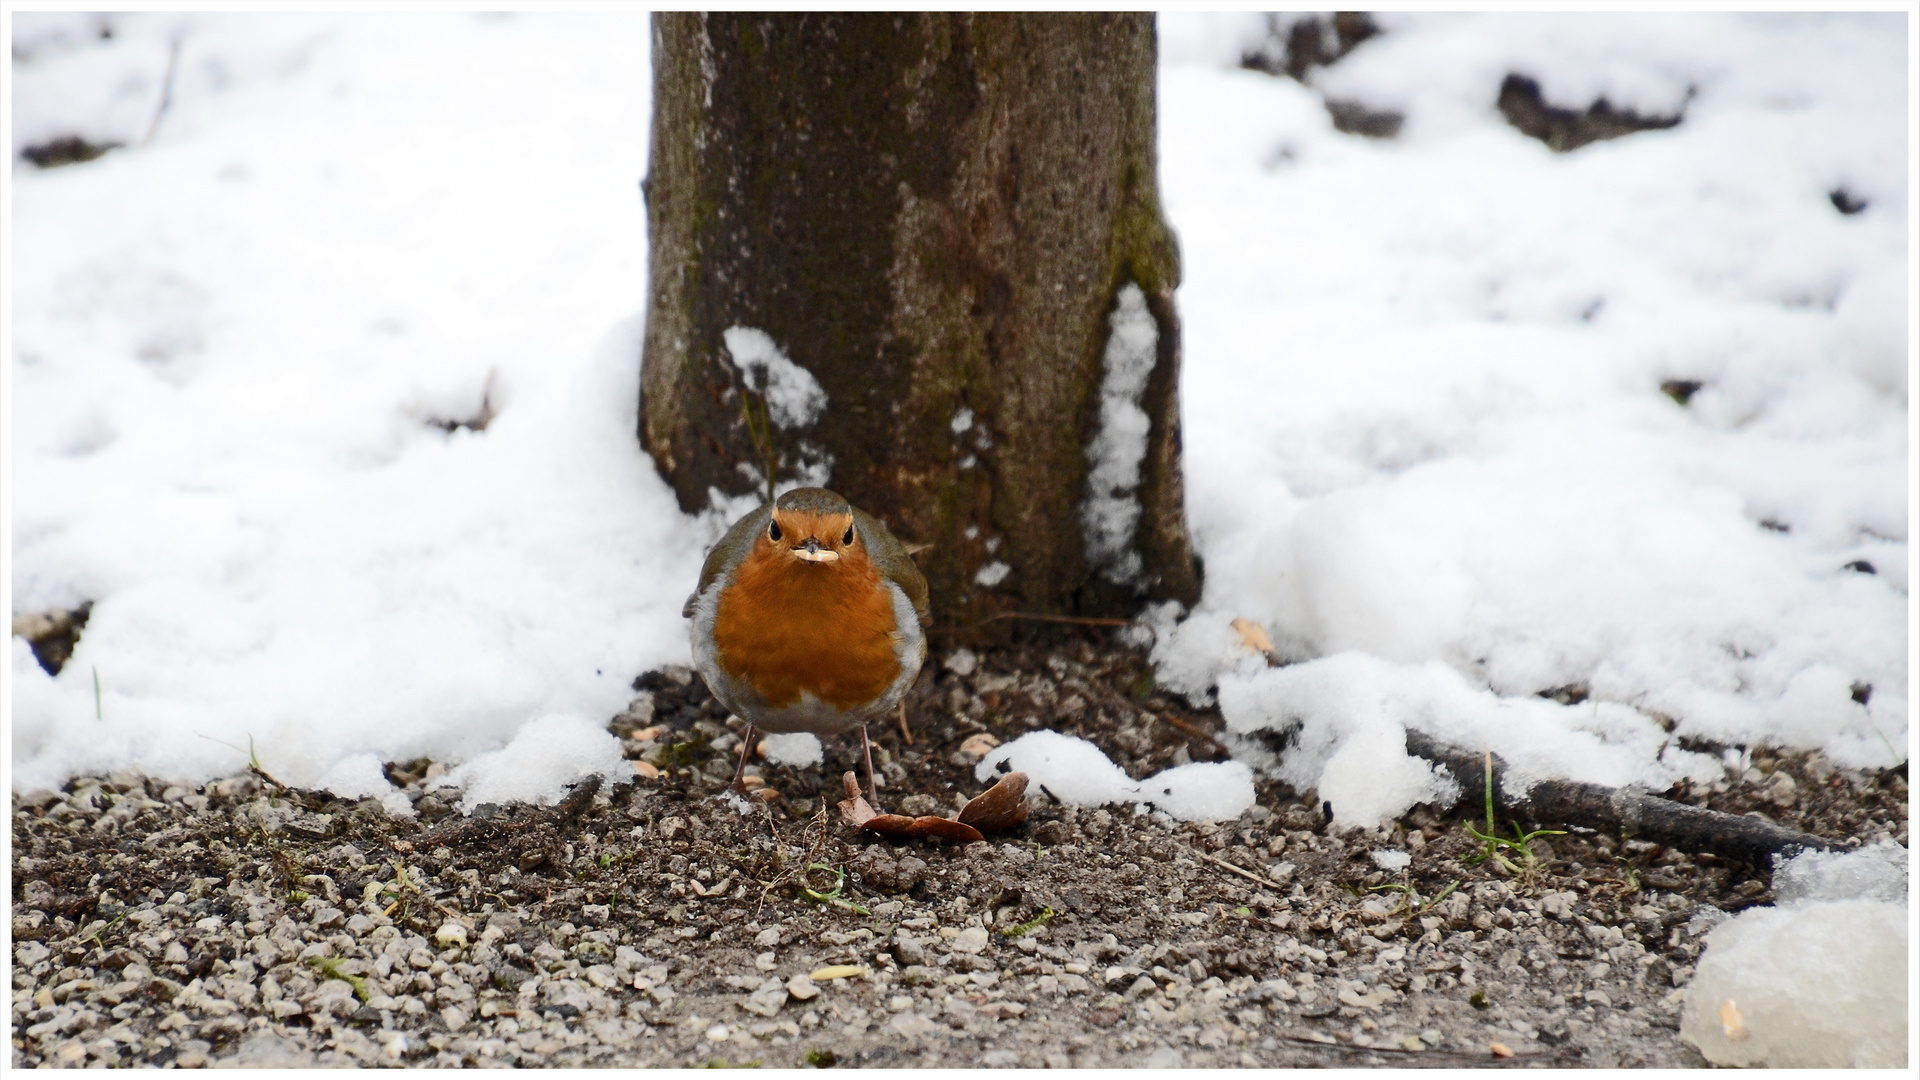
{"x":703,"y":891}
{"x":857,"y":813}
{"x":1254,"y":636}
{"x":1732,"y":1023}
{"x":838,"y":971}
{"x":1000,"y":807}
{"x":854,"y":809}
{"x":945,"y":829}
{"x":978,"y":745}
{"x":1500,"y":1050}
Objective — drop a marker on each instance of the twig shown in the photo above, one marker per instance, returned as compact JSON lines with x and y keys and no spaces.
{"x":1649,"y":817}
{"x":904,"y":733}
{"x":1248,"y":874}
{"x":1451,"y":1055}
{"x":1074,"y":620}
{"x":253,"y":766}
{"x":166,"y":89}
{"x":1181,"y":725}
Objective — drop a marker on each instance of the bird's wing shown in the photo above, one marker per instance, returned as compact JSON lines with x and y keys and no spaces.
{"x":894,"y":561}
{"x":726,"y":553}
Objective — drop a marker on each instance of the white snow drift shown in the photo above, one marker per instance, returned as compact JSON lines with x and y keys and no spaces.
{"x":1818,"y":981}
{"x":325,"y":398}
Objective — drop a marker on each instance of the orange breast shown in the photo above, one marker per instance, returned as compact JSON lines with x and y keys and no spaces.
{"x":788,"y":626}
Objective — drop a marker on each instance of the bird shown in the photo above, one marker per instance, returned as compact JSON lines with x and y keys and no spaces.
{"x":809,"y":616}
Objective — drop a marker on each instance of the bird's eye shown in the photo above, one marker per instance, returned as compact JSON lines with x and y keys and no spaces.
{"x":773,"y":530}
{"x":848,"y":539}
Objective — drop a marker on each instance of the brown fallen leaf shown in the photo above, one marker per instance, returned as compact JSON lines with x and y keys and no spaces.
{"x":945,"y":829}
{"x":978,"y":745}
{"x":710,"y":891}
{"x":1000,"y":807}
{"x":1254,"y":636}
{"x":854,"y":809}
{"x":1732,"y":1023}
{"x":855,"y":812}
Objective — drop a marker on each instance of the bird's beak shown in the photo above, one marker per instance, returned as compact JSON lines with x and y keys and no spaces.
{"x":814,"y":553}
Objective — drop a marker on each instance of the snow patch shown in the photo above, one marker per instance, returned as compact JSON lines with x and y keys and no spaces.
{"x":1392,"y":860}
{"x":992,"y":574}
{"x":1111,"y":513}
{"x":361,"y":776}
{"x":794,"y":397}
{"x":545,"y":758}
{"x":801,"y":749}
{"x":1817,"y":981}
{"x":1074,"y":771}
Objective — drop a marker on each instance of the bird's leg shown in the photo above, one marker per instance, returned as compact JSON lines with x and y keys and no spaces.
{"x":904,"y":733}
{"x":873,"y":795}
{"x":740,"y":770}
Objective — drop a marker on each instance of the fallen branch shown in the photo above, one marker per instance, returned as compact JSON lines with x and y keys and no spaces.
{"x":1611,"y":810}
{"x":1248,"y":874}
{"x":1490,"y":1058}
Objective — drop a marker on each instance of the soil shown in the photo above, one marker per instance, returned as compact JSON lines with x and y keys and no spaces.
{"x":654,"y":923}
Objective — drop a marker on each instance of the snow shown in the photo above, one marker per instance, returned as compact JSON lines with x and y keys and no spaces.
{"x":544,"y":757}
{"x":1426,"y":442}
{"x":992,"y":574}
{"x":1075,"y":772}
{"x":1817,"y":981}
{"x":326,"y":398}
{"x":794,"y":397}
{"x":227,"y":348}
{"x":1392,"y":860}
{"x":801,"y":749}
{"x":1111,"y":513}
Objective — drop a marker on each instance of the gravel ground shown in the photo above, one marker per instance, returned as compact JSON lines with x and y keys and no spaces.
{"x":242,"y":923}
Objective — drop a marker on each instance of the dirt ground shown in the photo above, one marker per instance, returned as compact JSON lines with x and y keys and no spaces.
{"x":651,"y":923}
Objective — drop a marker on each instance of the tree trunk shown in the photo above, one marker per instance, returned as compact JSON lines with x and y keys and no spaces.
{"x":939,"y":218}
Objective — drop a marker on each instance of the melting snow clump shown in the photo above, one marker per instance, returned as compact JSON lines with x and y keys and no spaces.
{"x":547,"y":757}
{"x":1819,"y":981}
{"x":1078,"y":774}
{"x":1391,"y":859}
{"x":992,"y":574}
{"x":1112,"y":510}
{"x":800,"y":749}
{"x":794,"y":396}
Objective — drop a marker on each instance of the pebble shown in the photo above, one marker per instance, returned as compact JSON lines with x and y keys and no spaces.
{"x":451,"y":934}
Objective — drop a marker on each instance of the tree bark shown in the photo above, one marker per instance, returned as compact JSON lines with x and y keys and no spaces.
{"x":937,"y":217}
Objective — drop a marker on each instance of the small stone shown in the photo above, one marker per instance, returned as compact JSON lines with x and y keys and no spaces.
{"x":802,"y":988}
{"x":911,"y":1025}
{"x":962,"y":662}
{"x":908,"y":951}
{"x":919,"y":975}
{"x":767,"y":938}
{"x":454,"y":1017}
{"x":970,"y":941}
{"x":451,"y":934}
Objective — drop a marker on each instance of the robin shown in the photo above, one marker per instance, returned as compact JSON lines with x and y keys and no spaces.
{"x":808,"y":617}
